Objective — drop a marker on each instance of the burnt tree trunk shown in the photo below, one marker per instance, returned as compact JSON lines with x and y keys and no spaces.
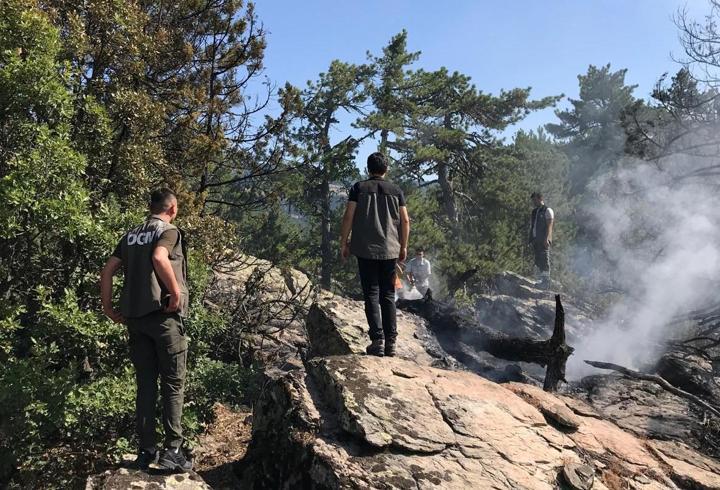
{"x":446,"y":319}
{"x":558,"y":351}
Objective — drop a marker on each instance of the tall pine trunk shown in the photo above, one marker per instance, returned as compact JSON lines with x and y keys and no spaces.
{"x":383,"y":140}
{"x":447,"y":193}
{"x":326,"y":256}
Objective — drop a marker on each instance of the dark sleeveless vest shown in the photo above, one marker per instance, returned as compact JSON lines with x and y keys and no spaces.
{"x":541,"y":227}
{"x":143,"y":292}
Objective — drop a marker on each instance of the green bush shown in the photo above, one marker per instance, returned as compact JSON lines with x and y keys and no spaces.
{"x":68,"y":388}
{"x":211,"y":381}
{"x":67,"y":406}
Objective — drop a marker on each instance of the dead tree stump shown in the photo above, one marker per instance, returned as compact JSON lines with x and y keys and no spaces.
{"x":444,"y":318}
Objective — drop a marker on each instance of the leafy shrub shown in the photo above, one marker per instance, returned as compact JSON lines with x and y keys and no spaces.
{"x":211,"y":381}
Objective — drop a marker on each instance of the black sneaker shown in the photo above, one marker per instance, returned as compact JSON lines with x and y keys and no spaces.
{"x":145,"y":458}
{"x":375,"y":348}
{"x":390,"y":349}
{"x":174,"y":459}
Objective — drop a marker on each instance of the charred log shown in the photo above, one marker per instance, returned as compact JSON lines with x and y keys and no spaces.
{"x":446,"y":320}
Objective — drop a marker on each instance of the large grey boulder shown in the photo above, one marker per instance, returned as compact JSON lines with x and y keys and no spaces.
{"x":347,"y":420}
{"x":422,"y":420}
{"x":267,"y":304}
{"x":510,"y":306}
{"x":337,"y":326}
{"x":641,"y":407}
{"x":355,"y":421}
{"x":515,"y":306}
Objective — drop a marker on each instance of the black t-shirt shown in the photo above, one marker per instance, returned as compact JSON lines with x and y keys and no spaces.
{"x":376,"y":224}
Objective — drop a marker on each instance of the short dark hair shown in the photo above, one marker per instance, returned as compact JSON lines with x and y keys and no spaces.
{"x":377,"y":164}
{"x":419,"y":250}
{"x":160,"y":199}
{"x":536,"y":194}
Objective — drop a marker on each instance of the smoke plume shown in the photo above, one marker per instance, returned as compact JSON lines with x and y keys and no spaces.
{"x":658,"y":229}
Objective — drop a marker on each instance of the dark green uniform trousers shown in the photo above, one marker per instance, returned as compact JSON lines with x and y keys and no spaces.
{"x":158,"y":347}
{"x":542,"y":256}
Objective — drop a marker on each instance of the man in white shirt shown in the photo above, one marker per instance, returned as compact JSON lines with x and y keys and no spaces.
{"x":419,"y":271}
{"x":541,"y":228}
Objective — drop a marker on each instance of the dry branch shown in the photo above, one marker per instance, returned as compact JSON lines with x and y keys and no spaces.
{"x":662,"y":382}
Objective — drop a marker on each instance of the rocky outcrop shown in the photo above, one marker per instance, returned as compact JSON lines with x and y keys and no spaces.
{"x":364,"y":422}
{"x":682,"y":462}
{"x":650,"y":411}
{"x":512,"y":307}
{"x":515,"y":306}
{"x":236,"y":277}
{"x":347,"y":420}
{"x":123,"y":479}
{"x":337,"y":326}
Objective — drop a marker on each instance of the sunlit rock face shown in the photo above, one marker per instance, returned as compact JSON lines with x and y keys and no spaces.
{"x":445,"y":414}
{"x":424,"y":420}
{"x":354,"y":421}
{"x":123,"y":478}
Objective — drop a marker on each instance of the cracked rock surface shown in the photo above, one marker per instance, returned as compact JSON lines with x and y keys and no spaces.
{"x":124,"y":478}
{"x":348,"y":420}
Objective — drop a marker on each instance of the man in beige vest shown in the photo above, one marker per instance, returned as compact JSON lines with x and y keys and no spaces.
{"x":153,"y":303}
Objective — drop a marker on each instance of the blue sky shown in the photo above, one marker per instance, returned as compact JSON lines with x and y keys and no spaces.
{"x":500,"y":44}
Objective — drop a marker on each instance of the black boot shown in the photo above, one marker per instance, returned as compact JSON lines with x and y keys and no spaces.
{"x":145,"y":458}
{"x":390,"y":348}
{"x":173,"y":458}
{"x":376,"y":348}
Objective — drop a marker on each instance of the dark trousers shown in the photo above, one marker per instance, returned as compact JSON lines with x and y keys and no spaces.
{"x":378,"y":284}
{"x":158,"y":347}
{"x":542,"y":255}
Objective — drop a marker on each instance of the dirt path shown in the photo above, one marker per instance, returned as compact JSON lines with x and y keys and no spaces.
{"x":224,"y":443}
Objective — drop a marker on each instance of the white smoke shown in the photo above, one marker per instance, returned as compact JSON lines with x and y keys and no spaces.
{"x":660,"y":231}
{"x":413,"y":293}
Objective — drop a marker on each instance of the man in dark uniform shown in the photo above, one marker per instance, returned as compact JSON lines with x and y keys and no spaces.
{"x":153,"y":302}
{"x":541,"y":228}
{"x":378,"y":219}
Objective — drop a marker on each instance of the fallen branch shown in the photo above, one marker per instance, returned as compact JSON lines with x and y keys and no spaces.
{"x":658,"y":380}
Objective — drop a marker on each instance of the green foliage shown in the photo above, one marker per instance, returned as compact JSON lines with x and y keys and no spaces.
{"x":211,"y":381}
{"x":67,"y":403}
{"x":593,"y":127}
{"x":55,"y":422}
{"x":342,"y":89}
{"x":493,"y":235}
{"x":58,"y":415}
{"x":390,"y":89}
{"x":278,"y":237}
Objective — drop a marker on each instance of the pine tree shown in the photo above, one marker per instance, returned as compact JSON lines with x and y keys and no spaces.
{"x":454,"y":129}
{"x":340,"y":91}
{"x":593,"y":128}
{"x":390,"y":89}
